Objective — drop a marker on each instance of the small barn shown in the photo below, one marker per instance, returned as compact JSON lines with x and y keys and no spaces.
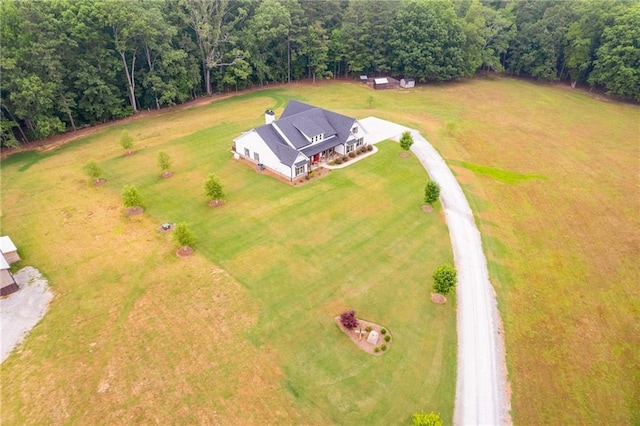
{"x":9,"y":250}
{"x":382,"y":83}
{"x":407,"y":83}
{"x":364,"y":79}
{"x":8,"y":284}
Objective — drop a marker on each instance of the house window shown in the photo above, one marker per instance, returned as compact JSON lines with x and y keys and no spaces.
{"x":350,"y":148}
{"x":354,"y":130}
{"x":299,"y":170}
{"x":360,"y":141}
{"x":247,"y":153}
{"x":256,"y":156}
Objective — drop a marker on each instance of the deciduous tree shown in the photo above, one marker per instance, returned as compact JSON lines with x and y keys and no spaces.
{"x":406,"y":140}
{"x":131,"y":197}
{"x":213,"y":187}
{"x":164,"y":162}
{"x":126,"y":141}
{"x":183,"y":236}
{"x":444,"y":279}
{"x":431,"y":192}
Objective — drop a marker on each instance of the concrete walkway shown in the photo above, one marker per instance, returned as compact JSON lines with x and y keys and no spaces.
{"x":481,"y":386}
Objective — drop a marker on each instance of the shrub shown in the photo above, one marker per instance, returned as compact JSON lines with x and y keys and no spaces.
{"x":369,"y":147}
{"x":444,"y":278}
{"x":348,"y":319}
{"x":426,"y":419}
{"x":377,"y":349}
{"x":338,"y":161}
{"x":352,"y":154}
{"x":406,"y":140}
{"x":131,"y":197}
{"x":383,"y":347}
{"x":368,"y":329}
{"x":345,"y":158}
{"x":332,"y":162}
{"x":312,"y":173}
{"x":183,"y":236}
{"x":387,"y":338}
{"x":383,"y":331}
{"x":431,"y":192}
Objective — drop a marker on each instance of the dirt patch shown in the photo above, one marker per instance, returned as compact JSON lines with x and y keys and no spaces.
{"x":128,"y":153}
{"x":99,"y":182}
{"x":405,"y":154}
{"x":217,"y":203}
{"x":134,"y":211}
{"x":438,"y":298}
{"x":184,"y":251}
{"x":167,"y":174}
{"x":427,"y":208}
{"x":360,"y":339}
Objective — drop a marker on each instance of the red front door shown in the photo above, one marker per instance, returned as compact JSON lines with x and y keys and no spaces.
{"x":316,"y":158}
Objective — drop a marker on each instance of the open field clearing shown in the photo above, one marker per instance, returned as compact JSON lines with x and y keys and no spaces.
{"x":243,"y":331}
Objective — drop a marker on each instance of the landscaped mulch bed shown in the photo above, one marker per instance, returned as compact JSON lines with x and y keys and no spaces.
{"x":361,"y":342}
{"x":133,"y":211}
{"x":99,"y":182}
{"x":427,"y":208}
{"x":438,"y":298}
{"x":216,"y":203}
{"x":184,"y":251}
{"x":166,"y":175}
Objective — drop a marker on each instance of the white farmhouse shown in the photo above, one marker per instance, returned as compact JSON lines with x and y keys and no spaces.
{"x":303,"y":138}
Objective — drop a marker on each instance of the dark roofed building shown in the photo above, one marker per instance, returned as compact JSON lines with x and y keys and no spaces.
{"x":303,"y":137}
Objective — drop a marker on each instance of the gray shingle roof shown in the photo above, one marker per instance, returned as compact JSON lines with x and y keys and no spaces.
{"x":284,"y":152}
{"x":300,"y":119}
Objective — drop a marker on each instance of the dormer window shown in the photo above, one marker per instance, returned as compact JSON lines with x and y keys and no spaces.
{"x":317,"y":138}
{"x":354,"y":130}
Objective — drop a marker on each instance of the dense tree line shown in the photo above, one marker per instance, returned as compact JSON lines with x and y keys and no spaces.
{"x":71,"y":63}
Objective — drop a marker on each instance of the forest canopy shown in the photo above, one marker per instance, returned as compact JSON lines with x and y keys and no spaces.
{"x":73,"y":63}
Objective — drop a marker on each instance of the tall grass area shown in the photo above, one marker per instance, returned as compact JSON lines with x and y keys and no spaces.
{"x":243,"y":332}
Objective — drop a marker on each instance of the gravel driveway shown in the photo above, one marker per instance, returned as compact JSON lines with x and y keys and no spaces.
{"x":21,"y":311}
{"x":481,"y":387}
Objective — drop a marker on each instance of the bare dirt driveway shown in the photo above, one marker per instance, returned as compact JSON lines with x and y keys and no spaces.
{"x":481,"y":389}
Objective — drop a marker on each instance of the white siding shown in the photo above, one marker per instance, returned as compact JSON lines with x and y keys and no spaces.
{"x":254,"y":143}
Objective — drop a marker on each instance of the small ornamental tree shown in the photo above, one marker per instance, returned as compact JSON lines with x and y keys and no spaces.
{"x":431,"y":192}
{"x":406,"y":140}
{"x":348,"y":320}
{"x":164,"y":162}
{"x":370,"y":100}
{"x":183,"y":236}
{"x":126,"y":141}
{"x":213,"y":187}
{"x":444,"y":278}
{"x":427,"y":419}
{"x":93,"y":170}
{"x":131,"y":197}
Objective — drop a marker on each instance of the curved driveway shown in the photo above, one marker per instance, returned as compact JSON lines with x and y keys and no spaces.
{"x":481,"y":387}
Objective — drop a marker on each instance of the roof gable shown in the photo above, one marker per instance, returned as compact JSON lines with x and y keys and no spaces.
{"x":300,"y":122}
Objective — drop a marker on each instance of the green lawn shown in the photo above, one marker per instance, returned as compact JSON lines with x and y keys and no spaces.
{"x":551,"y":173}
{"x":244,"y":331}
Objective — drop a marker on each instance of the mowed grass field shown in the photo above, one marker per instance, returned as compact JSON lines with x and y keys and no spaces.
{"x":551,"y":173}
{"x":243,"y":332}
